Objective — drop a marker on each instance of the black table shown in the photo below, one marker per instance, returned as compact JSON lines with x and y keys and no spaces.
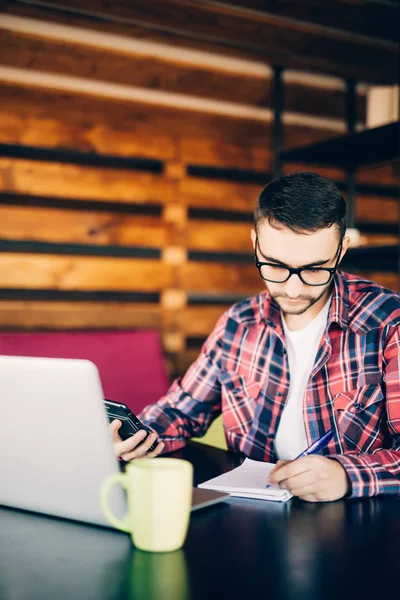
{"x":240,"y":549}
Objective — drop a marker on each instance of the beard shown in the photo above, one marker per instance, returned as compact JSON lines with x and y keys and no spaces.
{"x":306,"y":302}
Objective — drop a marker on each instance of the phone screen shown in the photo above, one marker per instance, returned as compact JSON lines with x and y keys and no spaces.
{"x":130,"y":423}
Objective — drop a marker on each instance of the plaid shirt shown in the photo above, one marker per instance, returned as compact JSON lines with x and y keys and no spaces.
{"x":354,"y":386}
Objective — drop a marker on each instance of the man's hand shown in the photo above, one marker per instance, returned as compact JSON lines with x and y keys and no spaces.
{"x":312,"y":478}
{"x":130,"y":449}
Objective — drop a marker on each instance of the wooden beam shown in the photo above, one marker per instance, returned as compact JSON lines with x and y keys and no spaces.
{"x":221,"y":278}
{"x":20,"y":176}
{"x":44,"y":46}
{"x":94,"y":88}
{"x":203,"y":193}
{"x":54,"y":225}
{"x":200,"y":320}
{"x":40,"y":224}
{"x":39,"y":315}
{"x":287,"y":42}
{"x":43,"y":117}
{"x":114,"y":91}
{"x":375,"y":209}
{"x":35,"y":271}
{"x":36,"y":118}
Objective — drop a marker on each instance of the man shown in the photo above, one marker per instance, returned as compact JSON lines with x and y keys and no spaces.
{"x":319,"y":350}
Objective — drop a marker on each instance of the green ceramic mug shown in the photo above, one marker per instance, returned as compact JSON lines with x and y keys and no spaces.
{"x":159,"y":498}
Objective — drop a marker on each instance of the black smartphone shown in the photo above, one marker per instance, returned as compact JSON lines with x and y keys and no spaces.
{"x":130,"y":422}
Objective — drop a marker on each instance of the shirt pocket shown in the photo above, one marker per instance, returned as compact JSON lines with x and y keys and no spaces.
{"x":239,"y":401}
{"x":358,"y":414}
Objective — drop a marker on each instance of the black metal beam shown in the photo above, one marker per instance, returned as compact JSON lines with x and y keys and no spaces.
{"x":35,"y":247}
{"x":277,"y":132}
{"x":78,"y":296}
{"x":108,"y":161}
{"x":371,"y":146}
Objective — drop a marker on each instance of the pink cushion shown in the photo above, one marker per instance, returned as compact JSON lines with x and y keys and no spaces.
{"x":130,"y":363}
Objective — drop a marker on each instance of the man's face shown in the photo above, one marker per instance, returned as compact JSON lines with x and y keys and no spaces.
{"x":281,"y":246}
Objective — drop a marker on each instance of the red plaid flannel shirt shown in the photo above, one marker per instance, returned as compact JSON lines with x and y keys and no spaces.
{"x":354,"y":387}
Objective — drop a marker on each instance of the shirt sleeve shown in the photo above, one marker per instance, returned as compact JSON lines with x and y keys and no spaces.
{"x":193,"y":401}
{"x":379,"y":472}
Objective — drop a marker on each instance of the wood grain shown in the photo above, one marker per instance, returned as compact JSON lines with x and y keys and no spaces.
{"x":221,"y":278}
{"x":341,"y":68}
{"x":38,"y":315}
{"x":200,"y":320}
{"x":21,"y":176}
{"x":288,"y":43}
{"x":82,"y":227}
{"x":388,"y":280}
{"x":56,"y":272}
{"x":375,"y":209}
{"x":224,"y":195}
{"x":153,"y":73}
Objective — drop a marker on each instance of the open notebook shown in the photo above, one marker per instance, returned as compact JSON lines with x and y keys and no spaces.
{"x":248,"y":481}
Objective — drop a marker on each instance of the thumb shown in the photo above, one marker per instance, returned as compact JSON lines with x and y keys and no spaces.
{"x":114,"y":428}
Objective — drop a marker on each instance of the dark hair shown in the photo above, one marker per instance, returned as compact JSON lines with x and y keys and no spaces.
{"x":302,"y":202}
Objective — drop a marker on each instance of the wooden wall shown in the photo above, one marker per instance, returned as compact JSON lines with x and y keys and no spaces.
{"x":123,"y":214}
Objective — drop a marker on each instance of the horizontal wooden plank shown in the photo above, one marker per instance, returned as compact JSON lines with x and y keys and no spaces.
{"x":233,"y":48}
{"x":74,"y":121}
{"x":185,"y":359}
{"x":220,"y":278}
{"x":80,"y":60}
{"x":34,"y":315}
{"x":85,"y":183}
{"x":200,"y":320}
{"x":223,"y":236}
{"x":285,"y":42}
{"x":374,"y":239}
{"x":245,"y":279}
{"x":228,"y":236}
{"x":203,"y":193}
{"x":376,"y":209}
{"x":53,"y":120}
{"x":105,"y":228}
{"x":384,"y":174}
{"x":321,"y":102}
{"x":388,"y":280}
{"x":82,"y":227}
{"x":50,"y":119}
{"x":32,"y":271}
{"x":157,"y":73}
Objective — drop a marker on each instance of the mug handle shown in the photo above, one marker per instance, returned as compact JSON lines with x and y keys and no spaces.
{"x":120,"y":478}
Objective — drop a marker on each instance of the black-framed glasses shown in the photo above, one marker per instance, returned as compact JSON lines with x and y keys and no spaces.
{"x":309,"y":275}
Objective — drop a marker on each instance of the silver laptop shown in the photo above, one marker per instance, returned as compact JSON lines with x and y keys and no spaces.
{"x":55,"y":445}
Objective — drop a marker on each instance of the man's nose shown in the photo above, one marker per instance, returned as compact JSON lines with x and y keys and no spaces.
{"x":294,"y":286}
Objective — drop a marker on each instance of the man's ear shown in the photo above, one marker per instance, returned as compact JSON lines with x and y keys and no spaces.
{"x":253,"y":236}
{"x":345,"y":245}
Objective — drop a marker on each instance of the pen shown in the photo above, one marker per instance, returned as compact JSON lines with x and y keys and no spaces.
{"x":318,"y":445}
{"x":315,"y":446}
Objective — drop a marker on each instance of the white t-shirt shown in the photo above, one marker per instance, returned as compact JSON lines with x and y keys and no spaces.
{"x":302,"y":346}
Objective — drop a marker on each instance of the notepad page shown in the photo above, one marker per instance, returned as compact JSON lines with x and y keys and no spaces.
{"x":248,"y":480}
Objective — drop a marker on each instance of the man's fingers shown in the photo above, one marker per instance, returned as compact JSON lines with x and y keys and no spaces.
{"x":279,"y":464}
{"x":140,"y":453}
{"x":159,"y":448}
{"x":114,"y":428}
{"x":139,"y":450}
{"x":299,"y":481}
{"x":290,"y":469}
{"x":127,"y":445}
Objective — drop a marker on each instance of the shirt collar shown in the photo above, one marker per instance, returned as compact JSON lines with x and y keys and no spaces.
{"x":270,"y":313}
